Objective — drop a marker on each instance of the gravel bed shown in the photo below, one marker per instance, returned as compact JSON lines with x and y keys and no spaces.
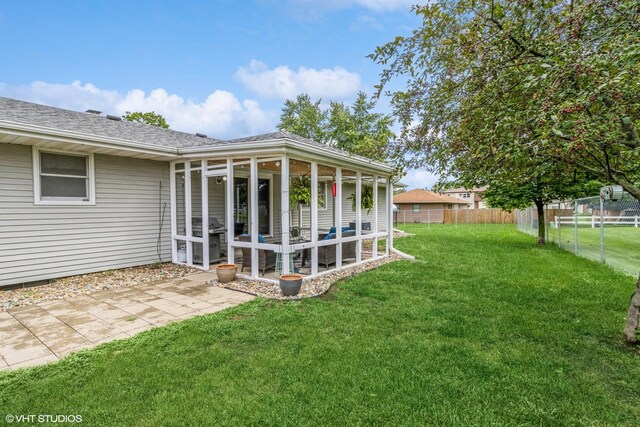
{"x":87,"y":283}
{"x":310,"y":288}
{"x":399,"y":233}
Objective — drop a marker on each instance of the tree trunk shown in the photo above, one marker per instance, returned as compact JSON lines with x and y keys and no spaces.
{"x":541,"y":223}
{"x":633,"y":316}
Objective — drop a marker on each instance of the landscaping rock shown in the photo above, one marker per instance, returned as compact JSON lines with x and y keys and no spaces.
{"x":310,"y":288}
{"x":71,"y":286}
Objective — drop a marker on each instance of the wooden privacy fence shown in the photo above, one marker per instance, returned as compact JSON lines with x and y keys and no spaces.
{"x":478,"y":216}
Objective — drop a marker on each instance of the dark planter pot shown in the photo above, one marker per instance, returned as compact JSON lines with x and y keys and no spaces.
{"x":226,"y":272}
{"x":290,"y":284}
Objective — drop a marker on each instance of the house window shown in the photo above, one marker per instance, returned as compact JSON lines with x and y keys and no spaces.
{"x":416,"y":208}
{"x":322,"y":197}
{"x":63,"y":177}
{"x":466,"y":195}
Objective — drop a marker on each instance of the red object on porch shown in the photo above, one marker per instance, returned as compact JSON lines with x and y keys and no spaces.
{"x":333,"y":189}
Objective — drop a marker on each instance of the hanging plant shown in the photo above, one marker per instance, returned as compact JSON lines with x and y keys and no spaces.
{"x":366,"y":199}
{"x":299,"y":191}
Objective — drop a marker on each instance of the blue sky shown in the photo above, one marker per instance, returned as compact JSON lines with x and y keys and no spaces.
{"x":219,"y":67}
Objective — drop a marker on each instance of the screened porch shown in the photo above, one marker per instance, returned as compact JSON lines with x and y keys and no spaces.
{"x":279,"y":214}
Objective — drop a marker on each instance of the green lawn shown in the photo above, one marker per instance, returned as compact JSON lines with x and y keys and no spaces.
{"x":485,"y":328}
{"x":621,"y":245}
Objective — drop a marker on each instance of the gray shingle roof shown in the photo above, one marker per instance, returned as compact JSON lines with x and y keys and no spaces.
{"x":93,"y":124}
{"x":28,"y":113}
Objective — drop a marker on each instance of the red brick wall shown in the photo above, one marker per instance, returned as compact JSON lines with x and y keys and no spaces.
{"x":429,"y":213}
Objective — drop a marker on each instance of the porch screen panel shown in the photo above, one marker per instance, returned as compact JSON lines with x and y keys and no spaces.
{"x":349,"y":249}
{"x":199,"y":224}
{"x":181,"y":228}
{"x":300,"y":199}
{"x":382,"y":205}
{"x":367,"y":216}
{"x":269,"y":198}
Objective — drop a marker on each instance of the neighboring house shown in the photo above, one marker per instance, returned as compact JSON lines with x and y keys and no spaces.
{"x":424,"y":206}
{"x":81,"y":192}
{"x":473,"y":196}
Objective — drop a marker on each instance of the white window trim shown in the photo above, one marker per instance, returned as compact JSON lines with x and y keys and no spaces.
{"x":306,"y":207}
{"x":37,"y":199}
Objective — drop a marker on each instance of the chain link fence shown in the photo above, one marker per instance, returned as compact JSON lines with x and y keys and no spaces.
{"x":603,"y":230}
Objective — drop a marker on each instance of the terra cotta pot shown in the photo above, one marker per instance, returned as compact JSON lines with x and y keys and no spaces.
{"x":226,"y":272}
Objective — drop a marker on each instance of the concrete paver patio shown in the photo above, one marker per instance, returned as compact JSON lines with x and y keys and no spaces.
{"x":37,"y":334}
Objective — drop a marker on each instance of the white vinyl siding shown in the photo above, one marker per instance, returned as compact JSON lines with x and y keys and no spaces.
{"x":121,"y":230}
{"x":325,"y":216}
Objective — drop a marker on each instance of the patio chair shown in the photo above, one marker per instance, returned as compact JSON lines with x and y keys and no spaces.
{"x":327,"y":254}
{"x":266,"y":259}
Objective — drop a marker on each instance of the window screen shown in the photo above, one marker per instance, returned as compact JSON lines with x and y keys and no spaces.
{"x":64,"y":177}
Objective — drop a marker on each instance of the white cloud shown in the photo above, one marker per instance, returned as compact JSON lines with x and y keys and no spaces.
{"x":221,"y":115}
{"x":375,"y":5}
{"x":419,"y":179}
{"x":366,"y":22}
{"x":282,"y":82}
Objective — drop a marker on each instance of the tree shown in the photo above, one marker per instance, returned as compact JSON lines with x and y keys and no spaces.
{"x":149,"y":118}
{"x":304,"y":118}
{"x":357,"y":129}
{"x":557,"y":79}
{"x":520,"y":188}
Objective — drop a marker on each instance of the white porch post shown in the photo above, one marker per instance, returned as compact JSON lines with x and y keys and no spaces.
{"x":187,"y":209}
{"x":253,"y":222}
{"x":314,"y":218}
{"x":374,"y":252}
{"x":389,"y":216}
{"x":284,"y":208}
{"x":338,"y":225}
{"x":358,"y":217}
{"x":205,"y":215}
{"x":229,"y":210}
{"x":174,"y":208}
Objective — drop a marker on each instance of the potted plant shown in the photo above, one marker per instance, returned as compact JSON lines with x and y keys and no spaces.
{"x":290,"y":284}
{"x":226,"y":272}
{"x":366,"y":199}
{"x":299,"y":191}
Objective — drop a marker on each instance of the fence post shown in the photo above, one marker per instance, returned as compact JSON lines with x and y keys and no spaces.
{"x":575,"y":226}
{"x":637,"y":221}
{"x":559,"y":228}
{"x":602,"y":230}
